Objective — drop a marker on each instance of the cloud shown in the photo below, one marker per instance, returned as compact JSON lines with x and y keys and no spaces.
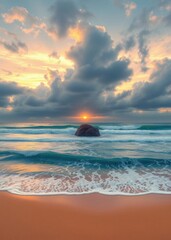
{"x":96,"y":48}
{"x":143,"y":26}
{"x":51,"y":74}
{"x":97,"y":69}
{"x":153,"y":94}
{"x":15,"y":14}
{"x":8,"y":90}
{"x":11,"y":42}
{"x":141,"y":21}
{"x":65,"y":15}
{"x":143,"y":48}
{"x":5,"y":33}
{"x":68,"y":98}
{"x":129,"y":7}
{"x":22,"y":15}
{"x":129,"y":43}
{"x":126,"y":5}
{"x":14,"y":46}
{"x":96,"y":62}
{"x":149,"y":96}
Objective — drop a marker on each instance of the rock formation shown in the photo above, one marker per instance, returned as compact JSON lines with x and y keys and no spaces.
{"x":86,"y":130}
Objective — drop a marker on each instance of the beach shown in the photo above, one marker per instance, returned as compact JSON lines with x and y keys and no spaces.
{"x":87,"y":216}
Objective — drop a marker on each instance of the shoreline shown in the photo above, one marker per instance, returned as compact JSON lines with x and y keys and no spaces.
{"x":84,"y":193}
{"x":88,"y":216}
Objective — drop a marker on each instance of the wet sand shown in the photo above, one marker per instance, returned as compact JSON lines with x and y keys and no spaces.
{"x":85,"y":217}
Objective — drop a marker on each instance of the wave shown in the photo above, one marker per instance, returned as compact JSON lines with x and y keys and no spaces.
{"x":118,"y":127}
{"x":52,"y":157}
{"x":136,"y":127}
{"x":104,"y":128}
{"x":136,"y":132}
{"x":155,"y":127}
{"x":50,"y":173}
{"x":107,"y":139}
{"x":69,"y":130}
{"x":41,"y":127}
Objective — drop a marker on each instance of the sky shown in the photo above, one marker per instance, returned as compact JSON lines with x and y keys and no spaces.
{"x":109,"y":60}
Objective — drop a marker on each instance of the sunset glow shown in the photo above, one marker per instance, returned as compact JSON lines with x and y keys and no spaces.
{"x":72,"y":57}
{"x":85,"y":117}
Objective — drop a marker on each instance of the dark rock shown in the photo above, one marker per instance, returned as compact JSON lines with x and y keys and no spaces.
{"x":86,"y":130}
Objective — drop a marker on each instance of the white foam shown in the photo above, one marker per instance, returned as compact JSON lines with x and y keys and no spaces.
{"x":71,"y":180}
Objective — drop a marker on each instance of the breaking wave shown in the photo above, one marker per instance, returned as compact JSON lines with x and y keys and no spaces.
{"x":48,"y":173}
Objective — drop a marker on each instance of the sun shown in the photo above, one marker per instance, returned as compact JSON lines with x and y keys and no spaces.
{"x":84,"y":116}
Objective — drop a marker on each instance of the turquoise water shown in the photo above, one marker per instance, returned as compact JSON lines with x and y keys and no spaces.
{"x":45,"y":160}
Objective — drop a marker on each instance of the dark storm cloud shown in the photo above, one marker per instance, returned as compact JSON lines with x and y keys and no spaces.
{"x":66,"y":14}
{"x":34,"y":101}
{"x":80,"y":87}
{"x":56,"y":90}
{"x":151,"y":95}
{"x":96,"y":60}
{"x":7,"y":90}
{"x":71,"y":97}
{"x":15,"y":46}
{"x":147,"y":96}
{"x":96,"y":49}
{"x":106,"y":75}
{"x":33,"y":97}
{"x":97,"y":70}
{"x":156,"y":93}
{"x":97,"y":67}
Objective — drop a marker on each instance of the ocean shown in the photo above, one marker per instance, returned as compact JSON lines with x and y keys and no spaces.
{"x":51,"y":160}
